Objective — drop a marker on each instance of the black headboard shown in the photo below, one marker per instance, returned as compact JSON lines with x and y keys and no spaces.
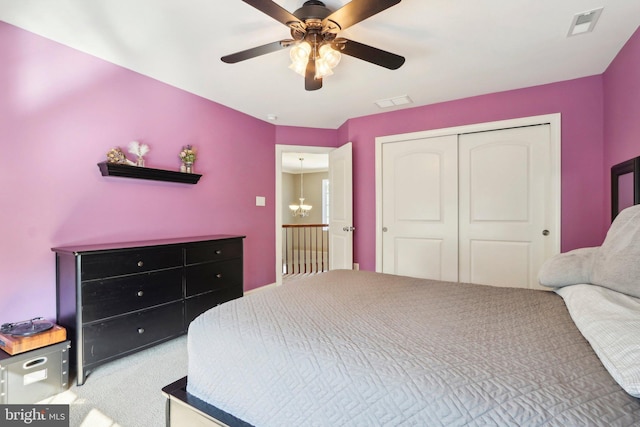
{"x":625,"y":185}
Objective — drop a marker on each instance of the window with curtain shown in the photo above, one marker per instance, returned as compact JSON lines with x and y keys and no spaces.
{"x":325,"y":201}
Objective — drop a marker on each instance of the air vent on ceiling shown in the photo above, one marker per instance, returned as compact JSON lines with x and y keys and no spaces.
{"x":392,"y":102}
{"x":584,"y":22}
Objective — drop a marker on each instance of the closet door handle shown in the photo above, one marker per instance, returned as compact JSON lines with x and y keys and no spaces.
{"x":545,"y":232}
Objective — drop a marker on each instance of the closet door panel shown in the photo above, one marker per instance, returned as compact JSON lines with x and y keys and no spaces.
{"x":419,"y":187}
{"x":499,"y":263}
{"x":498,"y":180}
{"x":419,"y":257}
{"x":504,"y":196}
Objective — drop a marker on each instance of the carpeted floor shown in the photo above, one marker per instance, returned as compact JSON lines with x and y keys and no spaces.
{"x":127,"y":392}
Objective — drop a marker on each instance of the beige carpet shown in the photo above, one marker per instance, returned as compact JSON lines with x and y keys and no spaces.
{"x":127,"y":392}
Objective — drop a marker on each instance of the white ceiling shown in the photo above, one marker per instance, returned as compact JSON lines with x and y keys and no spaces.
{"x":453,"y":49}
{"x":312,"y":162}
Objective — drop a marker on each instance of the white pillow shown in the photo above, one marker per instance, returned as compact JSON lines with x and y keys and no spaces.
{"x":567,"y":268}
{"x":610,"y":321}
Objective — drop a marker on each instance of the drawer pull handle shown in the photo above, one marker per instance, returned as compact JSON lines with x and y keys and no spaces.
{"x":140,"y":293}
{"x":218,"y":251}
{"x":140,"y":263}
{"x":34,"y":362}
{"x":141,"y":330}
{"x":219,"y":275}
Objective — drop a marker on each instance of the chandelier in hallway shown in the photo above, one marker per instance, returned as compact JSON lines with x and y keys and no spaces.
{"x":300,"y":209}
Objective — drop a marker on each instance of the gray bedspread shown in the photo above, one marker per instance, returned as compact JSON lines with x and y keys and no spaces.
{"x":364,"y":349}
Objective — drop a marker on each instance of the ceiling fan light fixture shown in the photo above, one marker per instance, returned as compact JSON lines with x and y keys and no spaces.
{"x":299,"y":55}
{"x":299,"y":67}
{"x":300,"y":52}
{"x":330,"y":55}
{"x":322,"y":69}
{"x":313,"y":28}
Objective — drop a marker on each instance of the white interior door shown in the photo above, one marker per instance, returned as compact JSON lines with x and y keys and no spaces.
{"x":420,"y":208}
{"x":341,"y":208}
{"x":504,"y":179}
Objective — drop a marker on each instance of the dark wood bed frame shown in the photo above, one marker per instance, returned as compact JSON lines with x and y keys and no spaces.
{"x":183,"y":409}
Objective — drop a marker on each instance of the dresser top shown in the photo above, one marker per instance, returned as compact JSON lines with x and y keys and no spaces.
{"x":73,"y":249}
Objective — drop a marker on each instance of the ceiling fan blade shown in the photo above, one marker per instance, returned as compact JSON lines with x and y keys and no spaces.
{"x":256,"y":51}
{"x":354,"y":12}
{"x":368,"y":53}
{"x":276,"y":12}
{"x":310,"y":81}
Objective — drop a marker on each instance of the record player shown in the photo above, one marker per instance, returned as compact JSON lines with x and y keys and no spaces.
{"x":27,"y":335}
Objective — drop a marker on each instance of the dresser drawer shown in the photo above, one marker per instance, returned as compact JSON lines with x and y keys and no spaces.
{"x":111,"y":297}
{"x":137,"y":260}
{"x":126,"y":333}
{"x":210,"y":276}
{"x":213,"y":251}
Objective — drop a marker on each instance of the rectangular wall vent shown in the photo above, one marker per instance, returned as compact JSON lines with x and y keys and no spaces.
{"x":584,"y":22}
{"x":392,"y":102}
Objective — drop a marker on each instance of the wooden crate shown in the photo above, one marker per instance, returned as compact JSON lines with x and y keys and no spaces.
{"x":14,"y":345}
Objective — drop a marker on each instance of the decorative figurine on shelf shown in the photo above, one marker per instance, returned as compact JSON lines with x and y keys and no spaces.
{"x":139,"y":150}
{"x":188,"y":157}
{"x":115,"y":155}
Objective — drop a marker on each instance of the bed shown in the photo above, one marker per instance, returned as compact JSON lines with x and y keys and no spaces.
{"x":363,"y":348}
{"x":358,"y":348}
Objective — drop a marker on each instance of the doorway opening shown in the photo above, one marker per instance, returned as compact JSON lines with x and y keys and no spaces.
{"x":301,"y":242}
{"x":305,"y":207}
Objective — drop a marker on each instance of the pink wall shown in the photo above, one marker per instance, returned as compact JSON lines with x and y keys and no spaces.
{"x":580,"y":103}
{"x":291,"y":135}
{"x":622,"y":109}
{"x":62,"y":110}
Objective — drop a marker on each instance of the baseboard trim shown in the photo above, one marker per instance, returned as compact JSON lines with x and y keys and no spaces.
{"x":261,"y":288}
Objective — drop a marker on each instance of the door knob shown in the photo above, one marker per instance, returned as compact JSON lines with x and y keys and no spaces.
{"x":545,"y":232}
{"x":385,"y":229}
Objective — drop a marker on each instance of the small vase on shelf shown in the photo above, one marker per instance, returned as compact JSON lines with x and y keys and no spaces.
{"x":187,"y":156}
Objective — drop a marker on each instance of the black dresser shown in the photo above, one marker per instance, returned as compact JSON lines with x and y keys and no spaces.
{"x":119,"y":298}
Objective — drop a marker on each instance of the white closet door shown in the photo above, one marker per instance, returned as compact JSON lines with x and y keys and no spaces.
{"x":503,"y":205}
{"x":420,"y":208}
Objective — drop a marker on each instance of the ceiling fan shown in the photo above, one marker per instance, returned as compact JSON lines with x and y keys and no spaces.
{"x":314,"y":41}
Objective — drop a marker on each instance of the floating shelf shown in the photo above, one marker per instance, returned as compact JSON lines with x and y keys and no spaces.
{"x":138,"y":172}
